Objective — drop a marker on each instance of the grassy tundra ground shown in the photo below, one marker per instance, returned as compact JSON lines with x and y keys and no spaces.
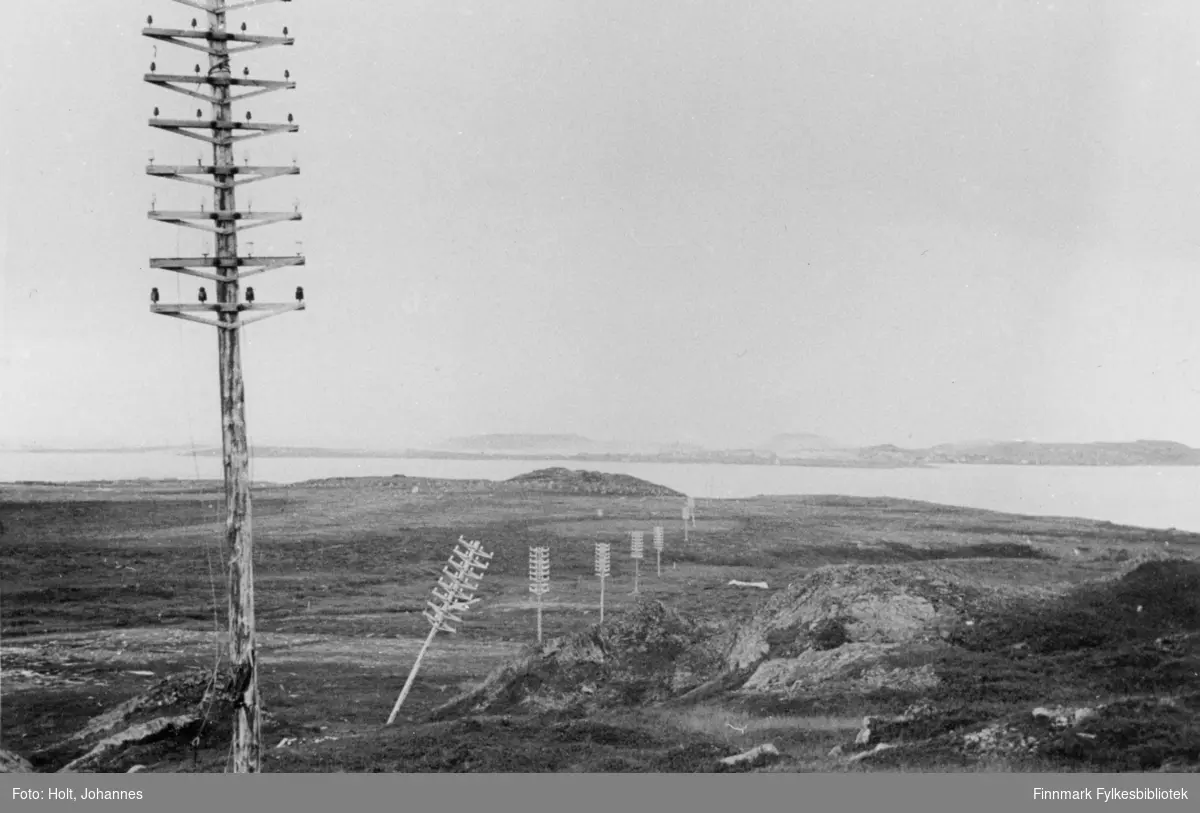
{"x":106,"y":589}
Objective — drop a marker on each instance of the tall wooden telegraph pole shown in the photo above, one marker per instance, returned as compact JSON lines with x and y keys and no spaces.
{"x":226,"y":268}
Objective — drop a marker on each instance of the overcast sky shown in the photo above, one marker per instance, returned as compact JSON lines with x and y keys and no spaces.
{"x":906,"y":222}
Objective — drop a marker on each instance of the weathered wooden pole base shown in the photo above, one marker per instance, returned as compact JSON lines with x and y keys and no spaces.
{"x":247,"y":718}
{"x":412,"y":675}
{"x":602,"y":600}
{"x":539,"y":618}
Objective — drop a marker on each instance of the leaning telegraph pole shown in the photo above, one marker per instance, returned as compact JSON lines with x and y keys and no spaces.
{"x":226,"y":268}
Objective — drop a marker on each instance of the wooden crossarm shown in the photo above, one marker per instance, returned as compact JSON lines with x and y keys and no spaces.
{"x":218,"y":80}
{"x":264,"y":311}
{"x":228,"y":215}
{"x":247,"y":266}
{"x":213,"y":124}
{"x":222,"y":180}
{"x":172,"y":263}
{"x":164,"y":37}
{"x":221,"y":307}
{"x":214,"y":36}
{"x":209,"y":169}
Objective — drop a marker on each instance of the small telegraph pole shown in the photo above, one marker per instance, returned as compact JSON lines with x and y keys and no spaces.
{"x":458,"y":582}
{"x":685,"y":514}
{"x":212,"y":36}
{"x":603,"y":570}
{"x":658,"y":548}
{"x":539,"y":580}
{"x":691,"y":505}
{"x":636,"y":551}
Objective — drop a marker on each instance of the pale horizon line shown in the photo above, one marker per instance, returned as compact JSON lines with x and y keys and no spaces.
{"x":615,"y":445}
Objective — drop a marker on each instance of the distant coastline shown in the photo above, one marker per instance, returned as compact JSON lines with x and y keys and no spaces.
{"x":1010,"y":453}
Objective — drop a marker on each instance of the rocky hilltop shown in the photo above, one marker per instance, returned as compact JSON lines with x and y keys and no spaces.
{"x":588,"y":482}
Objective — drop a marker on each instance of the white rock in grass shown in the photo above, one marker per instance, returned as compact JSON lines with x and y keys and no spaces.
{"x":758,"y":754}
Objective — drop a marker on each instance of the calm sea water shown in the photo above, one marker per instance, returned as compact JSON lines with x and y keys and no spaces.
{"x":1156,"y":497}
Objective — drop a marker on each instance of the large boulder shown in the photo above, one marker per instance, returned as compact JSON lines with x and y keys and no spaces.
{"x":866,"y":604}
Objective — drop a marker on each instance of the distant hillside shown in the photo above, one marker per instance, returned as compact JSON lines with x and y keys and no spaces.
{"x":560,"y":444}
{"x":262,"y":452}
{"x":791,"y":444}
{"x":1134,"y":453}
{"x":788,"y":450}
{"x":1030,"y":453}
{"x":801,"y":441}
{"x":589,"y":482}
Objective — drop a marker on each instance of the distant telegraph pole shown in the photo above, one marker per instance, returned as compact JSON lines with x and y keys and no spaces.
{"x":226,"y":269}
{"x":636,"y":552}
{"x":658,"y":548}
{"x":603,"y":570}
{"x":539,"y":580}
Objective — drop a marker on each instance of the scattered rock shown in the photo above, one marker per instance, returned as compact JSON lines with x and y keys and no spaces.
{"x":883,"y":746}
{"x":999,"y":738}
{"x":12,"y":762}
{"x":904,"y":678}
{"x":835,"y":751}
{"x":1060,"y":717}
{"x":136,"y":769}
{"x":920,"y":710}
{"x":875,"y":728}
{"x":754,"y":758}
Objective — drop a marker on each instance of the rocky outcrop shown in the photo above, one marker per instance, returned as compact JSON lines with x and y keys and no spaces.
{"x":188,"y":708}
{"x":647,"y":655}
{"x":870,"y":604}
{"x":564,"y":480}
